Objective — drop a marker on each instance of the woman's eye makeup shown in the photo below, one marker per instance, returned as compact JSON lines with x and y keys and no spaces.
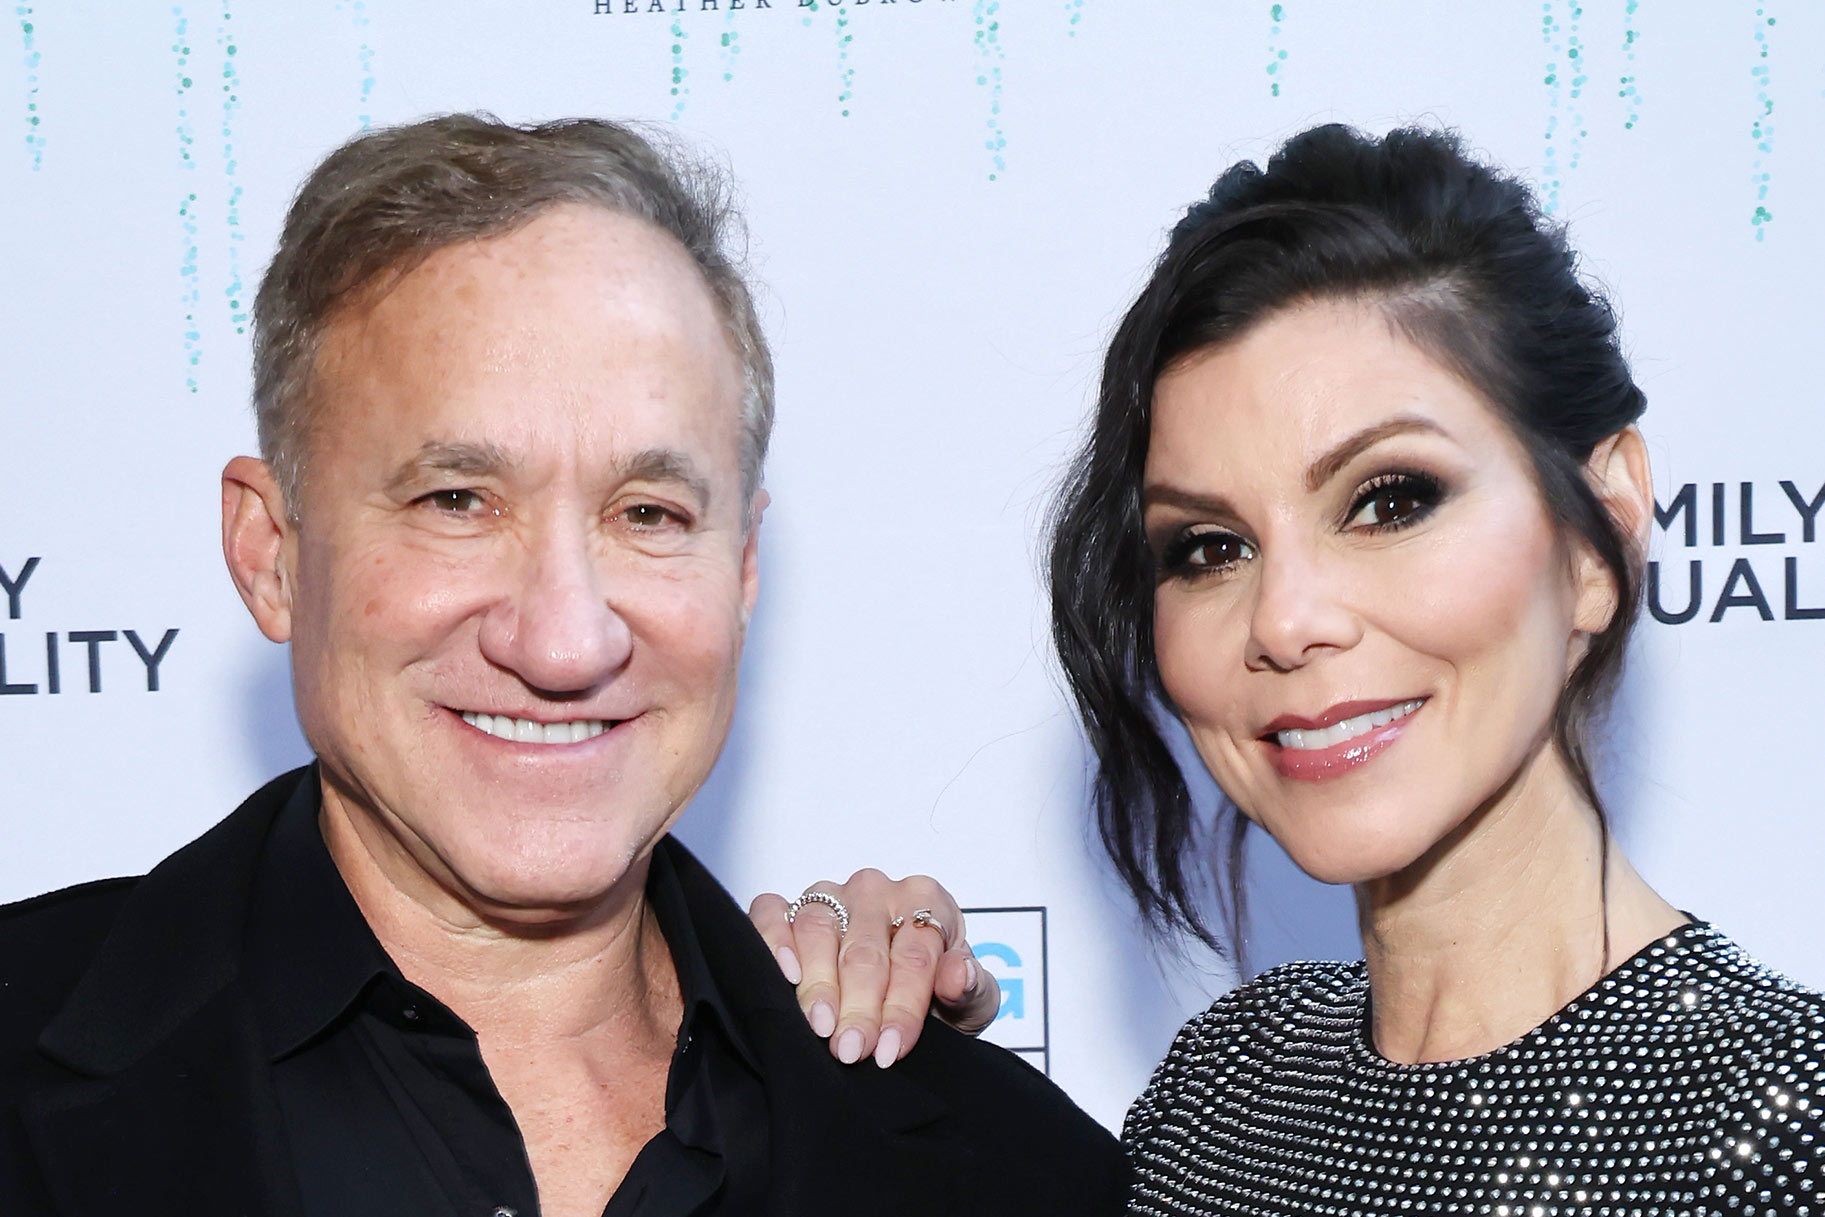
{"x":1201,"y":551}
{"x":1392,"y":501}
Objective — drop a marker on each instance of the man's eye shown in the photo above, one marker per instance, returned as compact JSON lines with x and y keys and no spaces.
{"x":1202,"y":552}
{"x":647,"y":515}
{"x":456,"y":502}
{"x":1395,"y":501}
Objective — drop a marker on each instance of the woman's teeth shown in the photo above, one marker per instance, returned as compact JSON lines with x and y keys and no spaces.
{"x":525,"y":731}
{"x":1348,"y":729}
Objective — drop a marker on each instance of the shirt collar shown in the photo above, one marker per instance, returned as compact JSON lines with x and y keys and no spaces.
{"x":310,"y":955}
{"x":309,"y":952}
{"x":704,"y":1000}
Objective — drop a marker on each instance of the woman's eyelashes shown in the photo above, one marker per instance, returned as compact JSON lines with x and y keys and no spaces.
{"x":1385,"y":503}
{"x":1389,"y":502}
{"x":1202,"y":551}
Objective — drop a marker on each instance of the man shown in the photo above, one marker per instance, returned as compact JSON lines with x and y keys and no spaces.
{"x":513,"y":403}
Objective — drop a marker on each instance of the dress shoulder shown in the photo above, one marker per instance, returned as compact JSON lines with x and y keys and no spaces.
{"x":1766,"y":1154}
{"x":1277,"y":1011}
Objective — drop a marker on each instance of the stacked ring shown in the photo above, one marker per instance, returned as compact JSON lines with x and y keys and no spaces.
{"x":825,"y":899}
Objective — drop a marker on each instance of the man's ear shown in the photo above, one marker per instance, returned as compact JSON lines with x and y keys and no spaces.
{"x":1619,"y":473}
{"x":750,"y":555}
{"x":258,"y":542}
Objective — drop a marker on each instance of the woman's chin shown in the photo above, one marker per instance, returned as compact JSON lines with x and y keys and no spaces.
{"x":1348,"y":859}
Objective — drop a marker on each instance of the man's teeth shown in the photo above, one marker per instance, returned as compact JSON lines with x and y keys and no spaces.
{"x":1348,"y":729}
{"x":525,"y":731}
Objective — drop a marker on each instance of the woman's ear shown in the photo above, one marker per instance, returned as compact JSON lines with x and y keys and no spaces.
{"x":1619,"y":474}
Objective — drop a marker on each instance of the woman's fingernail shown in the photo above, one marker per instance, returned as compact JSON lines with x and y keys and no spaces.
{"x":823,"y":1018}
{"x":972,"y":974}
{"x":788,"y":963}
{"x":849,"y":1047}
{"x":888,"y":1050}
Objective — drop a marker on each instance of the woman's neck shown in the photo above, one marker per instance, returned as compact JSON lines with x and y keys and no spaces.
{"x":1502,"y":923}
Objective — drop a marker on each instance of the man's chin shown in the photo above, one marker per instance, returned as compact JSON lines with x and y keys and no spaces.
{"x":553,"y":878}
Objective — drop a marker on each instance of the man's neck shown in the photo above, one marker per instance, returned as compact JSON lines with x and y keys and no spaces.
{"x":531,"y":975}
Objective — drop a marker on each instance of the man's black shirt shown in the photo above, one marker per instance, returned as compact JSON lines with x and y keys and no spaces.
{"x":387,"y":1105}
{"x":150,"y":1065}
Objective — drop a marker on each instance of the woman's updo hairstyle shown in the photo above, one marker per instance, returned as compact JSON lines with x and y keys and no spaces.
{"x":1458,"y":256}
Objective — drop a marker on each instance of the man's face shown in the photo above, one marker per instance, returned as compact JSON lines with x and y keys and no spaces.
{"x":522,"y":569}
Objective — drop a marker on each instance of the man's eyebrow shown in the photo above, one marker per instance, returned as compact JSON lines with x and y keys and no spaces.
{"x":1327,"y":466}
{"x":664,"y":465}
{"x":455,"y":457}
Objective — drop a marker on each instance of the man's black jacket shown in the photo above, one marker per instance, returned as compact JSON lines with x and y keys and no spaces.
{"x":132,"y":1079}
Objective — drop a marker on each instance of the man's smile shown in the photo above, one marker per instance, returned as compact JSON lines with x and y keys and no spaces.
{"x":531,"y":731}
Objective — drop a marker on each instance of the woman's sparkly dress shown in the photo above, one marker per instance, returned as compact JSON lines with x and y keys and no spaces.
{"x":1689,"y":1080}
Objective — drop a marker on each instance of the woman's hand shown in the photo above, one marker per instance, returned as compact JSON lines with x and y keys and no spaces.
{"x":867,"y":990}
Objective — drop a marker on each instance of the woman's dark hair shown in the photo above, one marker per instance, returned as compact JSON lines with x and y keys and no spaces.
{"x":1459,"y":257}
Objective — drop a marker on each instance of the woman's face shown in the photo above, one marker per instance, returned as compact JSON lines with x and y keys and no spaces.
{"x":1365,"y":613}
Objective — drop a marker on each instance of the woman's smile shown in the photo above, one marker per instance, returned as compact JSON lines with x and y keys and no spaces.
{"x":1348,"y":735}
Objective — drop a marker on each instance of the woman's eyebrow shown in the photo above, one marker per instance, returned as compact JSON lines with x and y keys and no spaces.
{"x":1165,"y":494}
{"x":1327,"y":466}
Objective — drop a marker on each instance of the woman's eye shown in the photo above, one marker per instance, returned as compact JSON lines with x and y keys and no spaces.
{"x":1394,"y":501}
{"x":1199,"y":552}
{"x":456,"y":502}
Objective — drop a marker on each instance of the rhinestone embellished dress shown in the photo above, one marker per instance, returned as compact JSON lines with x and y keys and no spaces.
{"x":1690,"y":1080}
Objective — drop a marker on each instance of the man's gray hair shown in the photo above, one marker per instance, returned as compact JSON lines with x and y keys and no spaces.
{"x":387,"y":200}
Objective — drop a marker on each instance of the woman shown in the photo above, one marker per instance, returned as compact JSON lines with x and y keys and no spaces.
{"x":1364,"y":507}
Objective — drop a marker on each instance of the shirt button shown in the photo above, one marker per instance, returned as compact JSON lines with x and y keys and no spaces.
{"x":410,"y":1014}
{"x":502,"y":1210}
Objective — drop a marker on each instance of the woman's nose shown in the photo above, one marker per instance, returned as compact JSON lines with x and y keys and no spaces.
{"x":1298,"y":611}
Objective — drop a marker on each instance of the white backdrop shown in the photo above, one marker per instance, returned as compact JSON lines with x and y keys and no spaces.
{"x":951,"y":202}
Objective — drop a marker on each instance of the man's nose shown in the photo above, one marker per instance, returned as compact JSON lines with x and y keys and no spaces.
{"x":1299,"y":611}
{"x":556,"y":629}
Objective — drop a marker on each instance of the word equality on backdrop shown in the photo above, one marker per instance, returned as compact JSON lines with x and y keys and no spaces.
{"x":949,"y":203}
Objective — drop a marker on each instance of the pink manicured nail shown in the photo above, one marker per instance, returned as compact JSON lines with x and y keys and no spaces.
{"x":823,"y":1018}
{"x":788,"y":963}
{"x":849,"y":1047}
{"x":888,"y":1050}
{"x":972,"y":974}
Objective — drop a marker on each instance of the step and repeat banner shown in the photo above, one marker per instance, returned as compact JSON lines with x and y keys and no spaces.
{"x":950,"y":202}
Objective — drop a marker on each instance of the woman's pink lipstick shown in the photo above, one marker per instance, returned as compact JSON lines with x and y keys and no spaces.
{"x":1386,"y":720}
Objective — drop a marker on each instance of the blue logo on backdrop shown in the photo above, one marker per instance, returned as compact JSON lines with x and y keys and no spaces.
{"x":1011,"y":944}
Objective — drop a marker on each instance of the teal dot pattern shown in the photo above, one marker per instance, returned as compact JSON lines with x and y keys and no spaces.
{"x":1575,"y":64}
{"x":844,"y":68}
{"x":1630,"y":94}
{"x":1075,"y":8}
{"x":357,"y":11}
{"x":731,"y":47}
{"x":988,"y":45}
{"x":236,"y":292}
{"x":1276,"y":54}
{"x":34,"y":133}
{"x":1763,"y":129}
{"x":189,"y":282}
{"x":681,"y":75}
{"x":1550,"y":36}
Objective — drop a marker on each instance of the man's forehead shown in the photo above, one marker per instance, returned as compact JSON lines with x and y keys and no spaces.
{"x":579,"y":309}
